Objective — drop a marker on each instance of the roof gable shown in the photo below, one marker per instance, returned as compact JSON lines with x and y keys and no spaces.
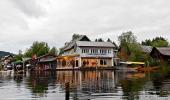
{"x":72,"y":43}
{"x":162,"y":50}
{"x":83,"y":38}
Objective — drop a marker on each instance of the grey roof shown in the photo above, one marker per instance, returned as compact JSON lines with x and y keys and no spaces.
{"x":48,"y":60}
{"x":72,"y":43}
{"x":164,"y":50}
{"x":146,"y":49}
{"x":94,"y":44}
{"x":26,"y":59}
{"x":46,"y":55}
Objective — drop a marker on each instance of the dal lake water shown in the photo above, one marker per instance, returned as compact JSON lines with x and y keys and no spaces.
{"x":85,"y":85}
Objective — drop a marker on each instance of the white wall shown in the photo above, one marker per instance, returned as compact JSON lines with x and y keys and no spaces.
{"x":79,"y":51}
{"x":111,"y":54}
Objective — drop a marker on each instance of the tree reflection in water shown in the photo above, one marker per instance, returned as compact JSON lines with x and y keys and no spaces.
{"x":81,"y":83}
{"x":39,"y":81}
{"x":91,"y":84}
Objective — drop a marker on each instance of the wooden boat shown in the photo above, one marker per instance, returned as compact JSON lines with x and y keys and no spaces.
{"x":132,"y":63}
{"x":147,"y":69}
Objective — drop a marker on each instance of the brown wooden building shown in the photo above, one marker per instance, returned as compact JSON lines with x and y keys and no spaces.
{"x":162,"y":54}
{"x":45,"y":62}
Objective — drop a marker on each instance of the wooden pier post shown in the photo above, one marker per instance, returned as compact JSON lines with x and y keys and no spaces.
{"x":67,"y":91}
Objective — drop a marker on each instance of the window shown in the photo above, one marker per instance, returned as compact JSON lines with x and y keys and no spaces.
{"x":85,"y":50}
{"x":77,"y":63}
{"x":105,"y":51}
{"x":103,"y":62}
{"x":96,"y":51}
{"x":109,"y":51}
{"x":91,"y":50}
{"x":100,"y":51}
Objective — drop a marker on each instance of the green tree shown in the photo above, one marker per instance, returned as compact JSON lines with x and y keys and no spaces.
{"x":75,"y":36}
{"x":53,"y":51}
{"x":108,"y":40}
{"x":99,"y":40}
{"x":136,"y":52}
{"x":147,"y":42}
{"x":38,"y":48}
{"x":127,"y":38}
{"x":160,"y":43}
{"x":19,"y":55}
{"x":156,"y":42}
{"x":61,"y":51}
{"x":130,"y":48}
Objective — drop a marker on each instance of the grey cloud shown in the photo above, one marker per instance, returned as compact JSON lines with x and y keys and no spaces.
{"x":95,"y":18}
{"x":30,"y":7}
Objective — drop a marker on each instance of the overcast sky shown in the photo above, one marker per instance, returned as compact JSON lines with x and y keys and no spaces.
{"x":54,"y":21}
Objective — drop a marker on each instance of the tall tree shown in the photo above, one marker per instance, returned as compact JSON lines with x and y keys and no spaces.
{"x":19,"y":55}
{"x":108,"y":40}
{"x":53,"y":51}
{"x":147,"y":42}
{"x":129,"y":47}
{"x":61,"y":51}
{"x":100,"y":40}
{"x":38,"y":48}
{"x":127,"y":38}
{"x":159,"y":42}
{"x":75,"y":36}
{"x":156,"y":42}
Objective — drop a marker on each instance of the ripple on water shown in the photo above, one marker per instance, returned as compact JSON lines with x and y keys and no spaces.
{"x":94,"y":85}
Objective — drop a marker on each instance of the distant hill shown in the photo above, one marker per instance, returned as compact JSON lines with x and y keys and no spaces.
{"x":3,"y":53}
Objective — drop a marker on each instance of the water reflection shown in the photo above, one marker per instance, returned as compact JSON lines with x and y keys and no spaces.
{"x":38,"y":82}
{"x":86,"y":85}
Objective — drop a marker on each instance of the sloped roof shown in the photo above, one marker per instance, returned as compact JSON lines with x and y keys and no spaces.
{"x":94,"y":44}
{"x":26,"y":59}
{"x":164,"y":50}
{"x":146,"y":49}
{"x":48,"y":60}
{"x":69,"y":45}
{"x":72,"y":43}
{"x":116,"y":46}
{"x":46,"y":55}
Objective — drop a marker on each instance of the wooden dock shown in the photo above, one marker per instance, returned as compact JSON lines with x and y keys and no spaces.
{"x":87,"y":68}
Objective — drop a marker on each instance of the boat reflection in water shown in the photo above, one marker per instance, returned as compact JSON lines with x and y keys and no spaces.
{"x":84,"y":85}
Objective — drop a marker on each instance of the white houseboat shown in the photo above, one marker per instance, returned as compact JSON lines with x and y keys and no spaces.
{"x":83,"y":53}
